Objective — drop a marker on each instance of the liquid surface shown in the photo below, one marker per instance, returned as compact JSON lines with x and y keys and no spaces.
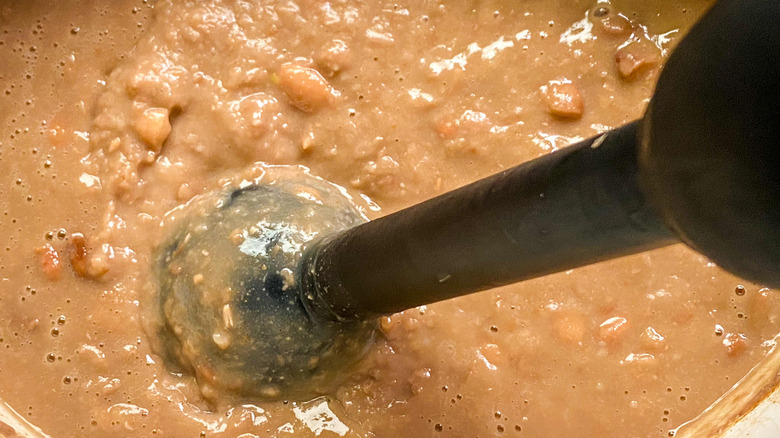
{"x":113,"y":113}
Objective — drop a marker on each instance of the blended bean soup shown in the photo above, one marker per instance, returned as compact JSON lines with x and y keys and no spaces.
{"x":115,"y":113}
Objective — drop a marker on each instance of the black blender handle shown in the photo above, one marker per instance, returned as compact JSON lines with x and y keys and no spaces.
{"x":703,"y":162}
{"x":575,"y":206}
{"x":710,"y":152}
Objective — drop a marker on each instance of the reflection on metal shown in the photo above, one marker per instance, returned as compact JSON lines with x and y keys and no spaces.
{"x":21,"y":427}
{"x":751,"y":405}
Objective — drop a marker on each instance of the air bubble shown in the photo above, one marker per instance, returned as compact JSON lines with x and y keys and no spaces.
{"x":601,"y":11}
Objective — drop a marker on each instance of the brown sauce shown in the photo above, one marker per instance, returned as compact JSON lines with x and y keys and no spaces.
{"x":112,"y":113}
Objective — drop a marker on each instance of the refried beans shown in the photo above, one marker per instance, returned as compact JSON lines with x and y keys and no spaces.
{"x":115,"y":112}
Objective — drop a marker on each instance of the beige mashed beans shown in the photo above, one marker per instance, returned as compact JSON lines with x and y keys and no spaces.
{"x":112,"y":113}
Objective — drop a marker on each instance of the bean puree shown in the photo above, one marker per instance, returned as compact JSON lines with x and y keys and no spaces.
{"x":115,"y":112}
